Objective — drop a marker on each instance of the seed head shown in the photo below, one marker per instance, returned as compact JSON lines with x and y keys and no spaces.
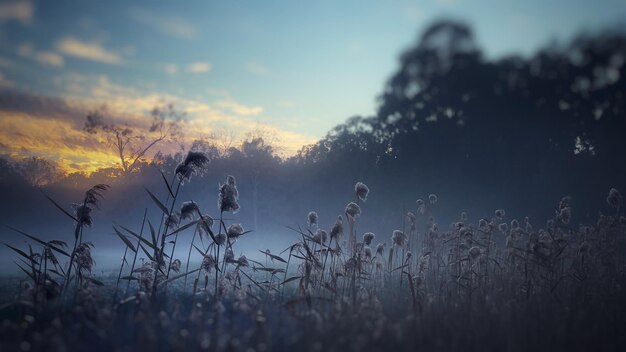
{"x":312,"y":218}
{"x":361,"y":190}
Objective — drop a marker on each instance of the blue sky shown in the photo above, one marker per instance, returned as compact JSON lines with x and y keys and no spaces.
{"x":295,"y":67}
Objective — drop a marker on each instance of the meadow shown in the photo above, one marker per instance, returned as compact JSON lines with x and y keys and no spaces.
{"x":489,"y":283}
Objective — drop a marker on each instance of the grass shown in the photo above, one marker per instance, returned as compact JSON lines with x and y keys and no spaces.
{"x":475,"y":286}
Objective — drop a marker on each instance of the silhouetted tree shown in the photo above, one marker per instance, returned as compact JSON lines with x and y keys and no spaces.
{"x":130,"y":143}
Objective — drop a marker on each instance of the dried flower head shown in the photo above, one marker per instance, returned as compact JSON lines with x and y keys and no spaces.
{"x":220,"y":238}
{"x":614,"y":199}
{"x":83,"y":214}
{"x":380,"y":248}
{"x":206,"y":223}
{"x":514,"y":224}
{"x":398,"y":238}
{"x":320,"y":236}
{"x":194,"y":164}
{"x":368,"y":237}
{"x":175,"y":266}
{"x":432,"y":198}
{"x":188,"y":210}
{"x":312,"y":218}
{"x":234,"y":231}
{"x":353,"y":210}
{"x":361,"y":190}
{"x":337,"y":229}
{"x":146,"y":276}
{"x":464,"y":216}
{"x":242,"y":261}
{"x":172,"y":221}
{"x":228,"y":196}
{"x":208,"y":263}
{"x":83,"y":260}
{"x":500,"y":214}
{"x":504,"y":227}
{"x":565,"y":215}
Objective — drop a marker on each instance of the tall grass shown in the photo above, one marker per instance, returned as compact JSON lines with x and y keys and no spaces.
{"x":430,"y":289}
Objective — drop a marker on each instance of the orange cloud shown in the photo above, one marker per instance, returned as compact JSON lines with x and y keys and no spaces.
{"x":53,"y":128}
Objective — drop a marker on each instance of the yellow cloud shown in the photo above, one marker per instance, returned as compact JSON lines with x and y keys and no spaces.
{"x":88,"y":50}
{"x":52,"y":127}
{"x":240,"y":109}
{"x":53,"y":139}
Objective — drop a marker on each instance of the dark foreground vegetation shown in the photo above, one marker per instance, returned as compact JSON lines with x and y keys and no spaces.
{"x":491,"y":283}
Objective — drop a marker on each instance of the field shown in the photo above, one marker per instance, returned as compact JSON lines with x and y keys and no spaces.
{"x":492,"y":283}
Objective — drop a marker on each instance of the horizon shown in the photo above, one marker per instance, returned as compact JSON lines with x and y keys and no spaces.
{"x":61,"y":64}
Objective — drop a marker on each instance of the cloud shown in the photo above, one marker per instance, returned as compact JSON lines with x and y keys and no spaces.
{"x":48,"y":127}
{"x":88,"y":50}
{"x":20,"y":11}
{"x":199,"y":67}
{"x":166,"y":24}
{"x":239,"y":109}
{"x":47,"y":58}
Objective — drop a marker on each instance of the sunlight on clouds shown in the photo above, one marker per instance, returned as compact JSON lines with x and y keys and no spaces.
{"x":239,"y":109}
{"x":92,"y":51}
{"x":56,"y":140}
{"x":52,"y":127}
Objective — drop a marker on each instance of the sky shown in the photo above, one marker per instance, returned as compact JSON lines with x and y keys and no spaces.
{"x":292,"y":69}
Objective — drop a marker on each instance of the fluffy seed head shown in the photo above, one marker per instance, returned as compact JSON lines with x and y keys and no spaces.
{"x":353,"y":210}
{"x":188,"y":210}
{"x":614,"y":199}
{"x":228,"y":198}
{"x":175,"y":266}
{"x":208,"y":263}
{"x":320,"y":236}
{"x":195,"y":163}
{"x":312,"y":218}
{"x":234,"y":231}
{"x":398,"y":238}
{"x":337,"y":229}
{"x":361,"y":190}
{"x":368,"y":237}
